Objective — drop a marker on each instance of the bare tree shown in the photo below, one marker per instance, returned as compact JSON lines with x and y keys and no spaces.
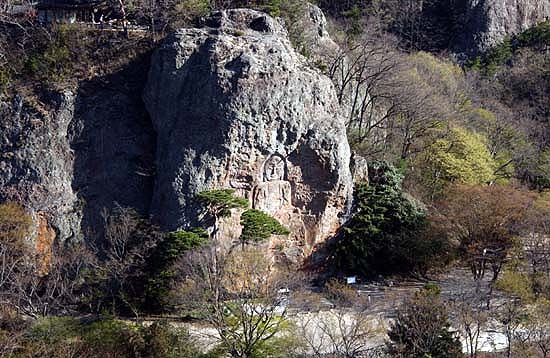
{"x":364,"y":75}
{"x":347,"y":331}
{"x":339,"y":333}
{"x":538,"y":328}
{"x":239,"y":293}
{"x":30,"y":282}
{"x":483,"y":219}
{"x":471,"y":318}
{"x":127,"y":243}
{"x":511,"y":315}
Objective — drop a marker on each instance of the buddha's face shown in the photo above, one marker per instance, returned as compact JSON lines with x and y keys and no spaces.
{"x":274,"y":169}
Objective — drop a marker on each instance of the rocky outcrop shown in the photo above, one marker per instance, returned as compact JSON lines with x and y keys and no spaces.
{"x":315,"y":39}
{"x":87,"y":150}
{"x":488,"y":22}
{"x":114,"y":147}
{"x":36,"y":161}
{"x":229,"y":105}
{"x":234,"y":106}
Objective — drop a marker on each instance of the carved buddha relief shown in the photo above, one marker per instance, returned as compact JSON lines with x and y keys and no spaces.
{"x":274,"y":168}
{"x":273,"y":194}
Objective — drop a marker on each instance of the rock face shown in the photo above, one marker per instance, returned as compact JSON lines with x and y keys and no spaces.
{"x":90,"y":149}
{"x":234,"y":106}
{"x":315,"y":38}
{"x":488,"y":22}
{"x":36,"y":162}
{"x":229,"y":105}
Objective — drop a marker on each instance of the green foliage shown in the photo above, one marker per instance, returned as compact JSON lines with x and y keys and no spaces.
{"x":461,"y":157}
{"x":163,"y":340}
{"x":286,"y":9}
{"x":219,"y":202}
{"x":537,"y":36}
{"x":111,"y":335}
{"x":354,"y":17}
{"x":52,"y":60}
{"x":192,"y":9}
{"x":258,"y":226}
{"x":63,"y":336}
{"x":517,"y":284}
{"x":498,"y":55}
{"x":273,"y":7}
{"x":264,"y":343}
{"x":54,"y":329}
{"x":168,"y":251}
{"x":421,"y":329}
{"x":176,"y":243}
{"x":542,"y":169}
{"x":432,"y":288}
{"x":475,"y":64}
{"x":436,"y":71}
{"x":384,"y":235}
{"x":51,"y":63}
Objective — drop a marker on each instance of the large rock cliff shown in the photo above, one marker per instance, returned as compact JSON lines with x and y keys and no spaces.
{"x":234,"y":106}
{"x":488,"y":22}
{"x":228,"y":105}
{"x":36,"y":162}
{"x":69,"y":156}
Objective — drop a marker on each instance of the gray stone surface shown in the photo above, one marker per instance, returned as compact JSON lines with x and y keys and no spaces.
{"x":234,"y":106}
{"x":229,"y":105}
{"x":36,"y":161}
{"x":86,"y":151}
{"x":315,"y":38}
{"x":488,"y":22}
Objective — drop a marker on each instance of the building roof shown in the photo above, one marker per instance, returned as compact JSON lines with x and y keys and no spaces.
{"x":42,"y":4}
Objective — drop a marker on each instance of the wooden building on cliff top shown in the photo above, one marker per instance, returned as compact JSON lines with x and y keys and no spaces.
{"x":70,"y":11}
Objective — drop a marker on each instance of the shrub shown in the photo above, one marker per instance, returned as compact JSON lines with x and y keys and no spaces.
{"x":168,"y":251}
{"x":112,"y":338}
{"x":162,"y":340}
{"x":65,"y":337}
{"x":258,"y":226}
{"x":219,"y":202}
{"x":421,"y":329}
{"x":51,"y":60}
{"x":189,"y":10}
{"x":340,"y":293}
{"x":537,"y":36}
{"x":384,"y":235}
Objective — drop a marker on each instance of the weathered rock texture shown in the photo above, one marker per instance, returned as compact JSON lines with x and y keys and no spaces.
{"x":87,"y":150}
{"x":315,"y":39}
{"x":229,"y":105}
{"x":488,"y":22}
{"x":36,"y":161}
{"x":234,"y":106}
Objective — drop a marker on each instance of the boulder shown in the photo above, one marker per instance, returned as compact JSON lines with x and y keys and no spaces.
{"x":235,"y":106}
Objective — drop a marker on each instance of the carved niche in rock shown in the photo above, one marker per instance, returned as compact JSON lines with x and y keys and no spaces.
{"x":273,"y":194}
